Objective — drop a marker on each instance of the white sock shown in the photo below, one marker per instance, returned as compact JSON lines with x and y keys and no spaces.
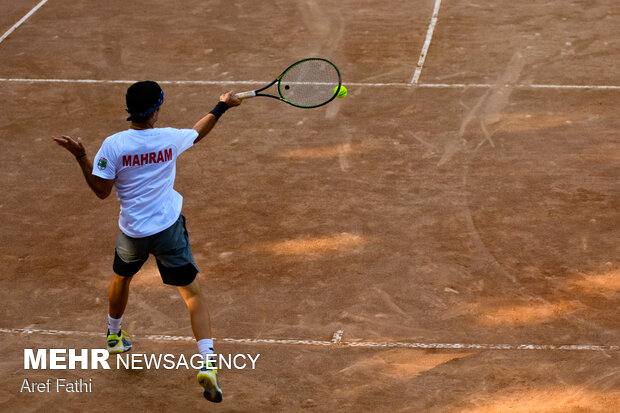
{"x":205,"y":346}
{"x":114,"y":325}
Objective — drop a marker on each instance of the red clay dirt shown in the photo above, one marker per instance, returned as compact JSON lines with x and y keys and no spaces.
{"x":447,"y":212}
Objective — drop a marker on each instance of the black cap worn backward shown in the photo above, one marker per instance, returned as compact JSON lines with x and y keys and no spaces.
{"x":143,"y":98}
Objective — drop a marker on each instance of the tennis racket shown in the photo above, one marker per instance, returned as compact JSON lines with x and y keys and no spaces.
{"x":308,"y":83}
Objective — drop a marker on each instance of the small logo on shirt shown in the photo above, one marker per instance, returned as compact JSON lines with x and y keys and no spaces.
{"x":102,"y":164}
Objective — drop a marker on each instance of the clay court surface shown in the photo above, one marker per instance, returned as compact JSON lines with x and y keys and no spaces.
{"x":445,"y":243}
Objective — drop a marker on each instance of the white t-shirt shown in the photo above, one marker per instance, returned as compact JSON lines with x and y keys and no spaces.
{"x":143,"y":164}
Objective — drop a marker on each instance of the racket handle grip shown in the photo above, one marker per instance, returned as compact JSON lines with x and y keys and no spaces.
{"x":245,"y":95}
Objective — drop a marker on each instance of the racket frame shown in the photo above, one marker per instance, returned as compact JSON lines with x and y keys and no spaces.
{"x":257,"y":92}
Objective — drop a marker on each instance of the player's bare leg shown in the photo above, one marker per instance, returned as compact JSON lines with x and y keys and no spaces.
{"x":198,"y":310}
{"x":201,"y":326}
{"x":118,"y":294}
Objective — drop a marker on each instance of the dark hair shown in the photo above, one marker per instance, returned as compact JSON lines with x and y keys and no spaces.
{"x":143,"y":98}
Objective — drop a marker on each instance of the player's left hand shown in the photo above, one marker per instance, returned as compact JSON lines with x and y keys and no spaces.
{"x":75,"y":147}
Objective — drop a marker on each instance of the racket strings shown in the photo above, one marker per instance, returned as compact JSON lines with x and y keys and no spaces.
{"x":310,"y":83}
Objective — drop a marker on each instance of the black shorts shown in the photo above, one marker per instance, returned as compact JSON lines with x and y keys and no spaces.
{"x":171,"y":250}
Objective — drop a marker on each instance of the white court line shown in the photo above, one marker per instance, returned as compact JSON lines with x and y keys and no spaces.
{"x":337,"y":338}
{"x":337,"y":342}
{"x":108,"y":81}
{"x":427,"y":43}
{"x":23,"y":19}
{"x":354,"y":84}
{"x":518,"y":86}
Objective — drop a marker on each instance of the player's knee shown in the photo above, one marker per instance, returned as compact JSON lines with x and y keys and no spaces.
{"x":122,"y":279}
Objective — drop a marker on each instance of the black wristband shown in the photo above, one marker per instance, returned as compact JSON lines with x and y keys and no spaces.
{"x":219,"y":110}
{"x":80,"y":156}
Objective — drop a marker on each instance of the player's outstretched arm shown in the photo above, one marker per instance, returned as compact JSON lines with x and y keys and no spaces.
{"x":101,"y":187}
{"x":204,"y":125}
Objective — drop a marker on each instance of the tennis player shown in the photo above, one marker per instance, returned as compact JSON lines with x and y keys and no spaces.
{"x":140,"y":164}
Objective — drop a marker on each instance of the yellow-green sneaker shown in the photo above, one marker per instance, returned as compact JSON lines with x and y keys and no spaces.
{"x":118,"y":343}
{"x":207,"y":378}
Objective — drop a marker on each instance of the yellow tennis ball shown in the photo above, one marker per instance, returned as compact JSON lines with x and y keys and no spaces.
{"x":342,"y":93}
